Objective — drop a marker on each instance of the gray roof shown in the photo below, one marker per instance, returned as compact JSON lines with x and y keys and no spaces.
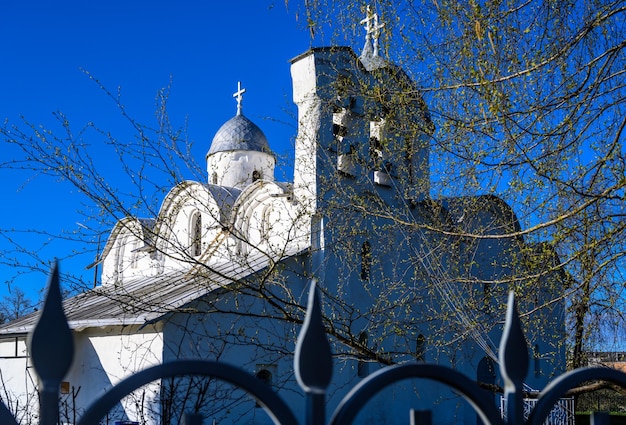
{"x":239,"y":134}
{"x":144,"y":300}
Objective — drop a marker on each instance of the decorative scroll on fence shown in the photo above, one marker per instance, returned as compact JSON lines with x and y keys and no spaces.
{"x":562,"y":412}
{"x":313,"y":365}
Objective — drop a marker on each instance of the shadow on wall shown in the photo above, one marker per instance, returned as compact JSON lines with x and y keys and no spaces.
{"x":94,"y":381}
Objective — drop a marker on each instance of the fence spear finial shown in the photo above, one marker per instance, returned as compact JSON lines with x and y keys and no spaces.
{"x":513,"y":358}
{"x":313,"y":357}
{"x":52,"y":348}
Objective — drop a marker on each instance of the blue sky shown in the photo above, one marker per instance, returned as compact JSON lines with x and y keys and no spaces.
{"x":204,"y":47}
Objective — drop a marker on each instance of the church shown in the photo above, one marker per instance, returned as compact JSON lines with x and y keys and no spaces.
{"x":222,"y":272}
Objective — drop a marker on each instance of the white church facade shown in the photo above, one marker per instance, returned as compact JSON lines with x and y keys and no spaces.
{"x":222,"y":272}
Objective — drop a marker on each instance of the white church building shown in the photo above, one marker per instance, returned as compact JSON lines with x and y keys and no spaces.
{"x":222,"y":272}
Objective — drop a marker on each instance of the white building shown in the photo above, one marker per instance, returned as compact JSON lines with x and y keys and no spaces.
{"x":222,"y":271}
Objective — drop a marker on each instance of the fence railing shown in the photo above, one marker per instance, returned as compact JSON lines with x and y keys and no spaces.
{"x":562,"y":412}
{"x":51,"y":348}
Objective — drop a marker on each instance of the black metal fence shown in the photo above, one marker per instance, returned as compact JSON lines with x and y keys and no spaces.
{"x":51,"y":348}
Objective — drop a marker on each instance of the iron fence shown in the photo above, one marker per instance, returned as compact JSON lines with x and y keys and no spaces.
{"x":51,"y":348}
{"x":562,"y":412}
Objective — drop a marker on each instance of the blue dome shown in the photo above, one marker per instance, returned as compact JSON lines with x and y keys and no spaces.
{"x":239,"y":134}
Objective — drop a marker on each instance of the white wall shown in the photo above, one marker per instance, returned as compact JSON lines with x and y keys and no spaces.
{"x":105,"y":356}
{"x":18,"y":382}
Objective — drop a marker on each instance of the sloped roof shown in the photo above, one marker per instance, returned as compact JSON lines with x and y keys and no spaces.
{"x":143,"y":300}
{"x":147,"y":299}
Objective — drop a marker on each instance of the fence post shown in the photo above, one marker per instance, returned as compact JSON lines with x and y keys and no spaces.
{"x":313,"y":360}
{"x":600,"y":418}
{"x":52,"y":350}
{"x":421,"y":417}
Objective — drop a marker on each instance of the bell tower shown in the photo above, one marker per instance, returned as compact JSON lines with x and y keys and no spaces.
{"x":361,"y":121}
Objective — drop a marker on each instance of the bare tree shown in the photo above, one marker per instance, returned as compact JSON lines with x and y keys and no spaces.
{"x":523,"y":100}
{"x":16,"y":305}
{"x":528,"y":101}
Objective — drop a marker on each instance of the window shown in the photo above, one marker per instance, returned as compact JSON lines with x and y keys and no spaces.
{"x":196,"y":234}
{"x":214,"y":178}
{"x":420,"y":348}
{"x":346,"y":164}
{"x":339,"y":131}
{"x":134,"y":254}
{"x":408,"y":158}
{"x":266,"y":376}
{"x":486,"y":371}
{"x":256,"y":175}
{"x":362,"y":368}
{"x":376,"y":153}
{"x":266,"y":223}
{"x":487,"y":297}
{"x":486,"y":374}
{"x":366,"y":260}
{"x":537,"y":359}
{"x":389,"y":168}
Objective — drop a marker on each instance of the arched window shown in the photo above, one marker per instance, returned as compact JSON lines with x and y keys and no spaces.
{"x":376,"y":152}
{"x":487,"y":296}
{"x":120,"y":260}
{"x":486,"y":374}
{"x":196,"y":234}
{"x":266,"y":223}
{"x":214,"y":177}
{"x":265,"y":376}
{"x":362,"y":369}
{"x":486,"y":371}
{"x":256,"y":175}
{"x":366,"y":260}
{"x":537,"y":359}
{"x":134,"y":254}
{"x":420,"y":348}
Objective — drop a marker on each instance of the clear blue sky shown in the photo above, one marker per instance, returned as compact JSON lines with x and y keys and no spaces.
{"x":205,"y":46}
